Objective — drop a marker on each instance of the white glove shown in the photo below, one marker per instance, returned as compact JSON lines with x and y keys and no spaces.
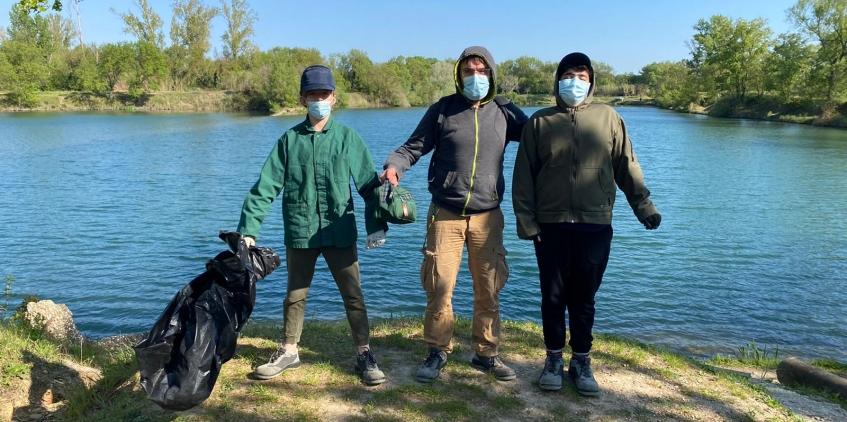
{"x":249,"y":241}
{"x":375,"y":240}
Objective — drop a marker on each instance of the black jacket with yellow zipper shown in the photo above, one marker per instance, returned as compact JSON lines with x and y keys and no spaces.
{"x":466,"y":169}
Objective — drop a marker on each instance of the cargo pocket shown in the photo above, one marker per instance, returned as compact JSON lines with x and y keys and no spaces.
{"x":502,"y":268}
{"x":428,"y":271}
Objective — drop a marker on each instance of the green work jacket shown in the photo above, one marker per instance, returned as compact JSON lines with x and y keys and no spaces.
{"x":312,"y":170}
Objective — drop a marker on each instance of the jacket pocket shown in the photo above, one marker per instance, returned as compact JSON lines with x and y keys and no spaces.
{"x":295,"y":218}
{"x":449,"y":179}
{"x":428,"y":271}
{"x":592,"y":194}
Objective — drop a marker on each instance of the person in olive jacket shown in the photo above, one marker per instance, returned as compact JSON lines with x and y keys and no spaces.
{"x":311,"y":165}
{"x":570,"y":158}
{"x":467,"y":133}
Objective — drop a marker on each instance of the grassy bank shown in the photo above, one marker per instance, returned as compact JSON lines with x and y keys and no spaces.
{"x":165,"y":101}
{"x":758,"y":108}
{"x":41,"y":379}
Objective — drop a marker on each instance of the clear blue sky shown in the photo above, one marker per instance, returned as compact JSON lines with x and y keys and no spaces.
{"x":624,"y":34}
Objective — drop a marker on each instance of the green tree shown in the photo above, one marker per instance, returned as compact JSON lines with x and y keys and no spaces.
{"x":116,"y":63}
{"x":190,"y":39}
{"x":526,"y":75}
{"x":30,"y":29}
{"x":789,"y":66}
{"x":40,"y":5}
{"x":729,"y":55}
{"x":239,"y":18}
{"x":604,"y":78}
{"x":6,"y":72}
{"x":358,"y":69}
{"x":84,"y":75}
{"x":669,"y":83}
{"x":826,"y":20}
{"x":27,"y":51}
{"x":146,"y":26}
{"x":278,"y":75}
{"x":150,"y":68}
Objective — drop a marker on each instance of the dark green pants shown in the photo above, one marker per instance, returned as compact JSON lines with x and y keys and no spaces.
{"x":344,"y":265}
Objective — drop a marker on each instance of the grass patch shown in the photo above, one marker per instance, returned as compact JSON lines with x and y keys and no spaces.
{"x":750,"y":355}
{"x":831,"y":365}
{"x":325,"y":387}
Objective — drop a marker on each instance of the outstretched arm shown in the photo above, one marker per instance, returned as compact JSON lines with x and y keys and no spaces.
{"x":420,"y":143}
{"x":263,"y":192}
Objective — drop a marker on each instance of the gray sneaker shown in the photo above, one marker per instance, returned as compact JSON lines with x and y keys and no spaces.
{"x":583,"y":377}
{"x":367,"y":369}
{"x":279,"y":361}
{"x":552,"y":374}
{"x":431,"y":368}
{"x":494,"y":365}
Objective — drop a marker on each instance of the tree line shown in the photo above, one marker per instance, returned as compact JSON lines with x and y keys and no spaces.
{"x":732,"y":62}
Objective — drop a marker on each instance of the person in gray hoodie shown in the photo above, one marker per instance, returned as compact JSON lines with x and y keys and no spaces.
{"x":467,"y":132}
{"x":570,"y":158}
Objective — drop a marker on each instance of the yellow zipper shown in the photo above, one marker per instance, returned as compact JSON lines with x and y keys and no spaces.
{"x":475,"y":153}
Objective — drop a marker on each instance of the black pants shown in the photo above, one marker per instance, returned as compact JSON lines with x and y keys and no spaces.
{"x":571,"y":261}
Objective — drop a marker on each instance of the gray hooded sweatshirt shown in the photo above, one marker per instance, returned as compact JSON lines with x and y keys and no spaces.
{"x":466,"y":169}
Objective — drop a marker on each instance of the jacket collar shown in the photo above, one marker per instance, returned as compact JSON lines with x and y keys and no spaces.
{"x":309,"y":128}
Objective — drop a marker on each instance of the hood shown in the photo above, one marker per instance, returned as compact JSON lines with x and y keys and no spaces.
{"x":489,"y":60}
{"x":571,"y":60}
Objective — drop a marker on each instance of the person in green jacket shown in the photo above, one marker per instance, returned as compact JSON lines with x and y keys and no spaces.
{"x":570,"y":158}
{"x":311,"y":165}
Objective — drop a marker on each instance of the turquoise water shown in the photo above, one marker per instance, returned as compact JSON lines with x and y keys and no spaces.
{"x":112,"y":213}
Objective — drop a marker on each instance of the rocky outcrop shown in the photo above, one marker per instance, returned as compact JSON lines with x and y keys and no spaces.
{"x":56,"y":320}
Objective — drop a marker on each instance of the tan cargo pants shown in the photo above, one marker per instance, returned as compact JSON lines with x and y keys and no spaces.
{"x":447,"y":234}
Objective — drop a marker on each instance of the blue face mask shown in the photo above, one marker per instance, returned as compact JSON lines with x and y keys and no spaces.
{"x":573,"y":91}
{"x":319,"y":109}
{"x":475,"y":87}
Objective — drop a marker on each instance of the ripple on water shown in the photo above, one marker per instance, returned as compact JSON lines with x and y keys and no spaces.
{"x":112,"y":214}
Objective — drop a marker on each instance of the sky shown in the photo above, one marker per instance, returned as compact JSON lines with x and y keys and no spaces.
{"x":625,"y":34}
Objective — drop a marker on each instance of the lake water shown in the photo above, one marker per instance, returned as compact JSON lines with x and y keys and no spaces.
{"x":113,"y":213}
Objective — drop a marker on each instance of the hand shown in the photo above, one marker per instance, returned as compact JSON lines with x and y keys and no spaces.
{"x":651,"y":222}
{"x":390,"y":174}
{"x":249,"y":241}
{"x":375,"y":239}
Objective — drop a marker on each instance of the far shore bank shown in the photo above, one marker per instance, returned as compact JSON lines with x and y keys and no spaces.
{"x":203,"y":101}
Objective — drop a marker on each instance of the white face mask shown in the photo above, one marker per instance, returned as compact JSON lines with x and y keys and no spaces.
{"x":573,"y":91}
{"x":475,"y":87}
{"x":319,"y":109}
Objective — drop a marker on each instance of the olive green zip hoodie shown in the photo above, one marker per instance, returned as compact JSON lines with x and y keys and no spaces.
{"x":568,"y":163}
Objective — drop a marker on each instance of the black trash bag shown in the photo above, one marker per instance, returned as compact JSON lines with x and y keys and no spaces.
{"x":182,"y":356}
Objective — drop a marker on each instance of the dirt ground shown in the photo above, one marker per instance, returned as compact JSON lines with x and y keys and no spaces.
{"x":641,"y":391}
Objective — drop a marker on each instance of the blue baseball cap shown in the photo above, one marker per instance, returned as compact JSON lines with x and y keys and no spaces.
{"x":316,"y":77}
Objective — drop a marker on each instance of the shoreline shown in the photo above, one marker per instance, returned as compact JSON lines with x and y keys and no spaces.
{"x":187,"y":102}
{"x":639,"y":381}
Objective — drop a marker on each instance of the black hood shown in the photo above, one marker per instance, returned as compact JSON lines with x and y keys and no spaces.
{"x":489,"y":60}
{"x":573,"y":60}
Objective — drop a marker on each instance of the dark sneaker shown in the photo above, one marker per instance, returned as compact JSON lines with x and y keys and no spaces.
{"x":279,"y":361}
{"x":430,"y":370}
{"x":583,"y":377}
{"x":495,"y":365}
{"x":367,"y":369}
{"x":552,"y":374}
